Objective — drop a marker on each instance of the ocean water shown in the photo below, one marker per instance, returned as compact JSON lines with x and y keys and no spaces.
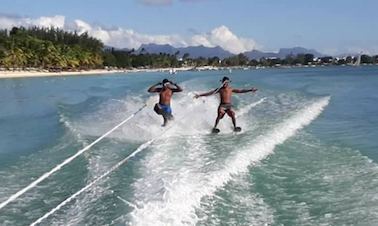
{"x":307,"y":155}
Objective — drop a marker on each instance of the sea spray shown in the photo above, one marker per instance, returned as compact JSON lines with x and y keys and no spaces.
{"x":182,"y":197}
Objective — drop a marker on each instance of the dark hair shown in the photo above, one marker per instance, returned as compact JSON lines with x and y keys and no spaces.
{"x":225,"y":78}
{"x":165,"y":80}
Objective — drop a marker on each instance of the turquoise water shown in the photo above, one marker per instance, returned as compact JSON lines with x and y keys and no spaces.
{"x":308,"y":153}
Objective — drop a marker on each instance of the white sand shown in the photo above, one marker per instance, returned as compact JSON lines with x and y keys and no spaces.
{"x":27,"y":74}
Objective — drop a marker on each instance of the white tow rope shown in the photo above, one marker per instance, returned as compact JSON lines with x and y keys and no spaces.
{"x":72,"y":197}
{"x":95,"y":181}
{"x":68,"y":160}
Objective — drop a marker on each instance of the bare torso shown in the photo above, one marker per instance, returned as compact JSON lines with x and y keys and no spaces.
{"x":165,"y":96}
{"x":225,"y":94}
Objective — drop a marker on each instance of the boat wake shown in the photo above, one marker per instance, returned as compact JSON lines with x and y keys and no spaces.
{"x":185,"y":165}
{"x":174,"y":183}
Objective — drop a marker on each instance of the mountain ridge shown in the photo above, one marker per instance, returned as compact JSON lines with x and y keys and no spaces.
{"x":282,"y":53}
{"x":217,"y":51}
{"x":193,"y":51}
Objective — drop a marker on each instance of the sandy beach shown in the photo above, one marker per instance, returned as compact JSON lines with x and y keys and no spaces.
{"x":26,"y":74}
{"x":31,"y":74}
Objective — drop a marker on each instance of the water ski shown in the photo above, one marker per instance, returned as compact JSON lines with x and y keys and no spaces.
{"x":215,"y":130}
{"x":237,"y":129}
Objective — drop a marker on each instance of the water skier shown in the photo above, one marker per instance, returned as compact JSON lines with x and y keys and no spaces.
{"x":225,"y":106}
{"x":166,"y":91}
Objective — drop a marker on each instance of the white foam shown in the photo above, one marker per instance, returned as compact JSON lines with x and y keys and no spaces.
{"x":193,"y":116}
{"x":251,"y":206}
{"x":175,"y":200}
{"x":248,"y":108}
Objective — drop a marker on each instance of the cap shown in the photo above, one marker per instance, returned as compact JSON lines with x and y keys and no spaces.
{"x":226,"y":79}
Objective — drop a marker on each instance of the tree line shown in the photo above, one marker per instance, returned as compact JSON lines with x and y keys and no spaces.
{"x":56,"y":49}
{"x":135,"y":59}
{"x":49,"y":48}
{"x":141,"y":59}
{"x":290,"y":60}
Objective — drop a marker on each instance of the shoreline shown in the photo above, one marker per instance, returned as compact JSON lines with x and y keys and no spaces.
{"x":33,"y":74}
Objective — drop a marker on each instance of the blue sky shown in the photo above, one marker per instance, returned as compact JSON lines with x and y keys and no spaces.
{"x":332,"y":26}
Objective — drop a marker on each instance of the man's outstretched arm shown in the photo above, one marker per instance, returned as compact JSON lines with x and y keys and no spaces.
{"x":205,"y":94}
{"x":244,"y":90}
{"x":154,"y":89}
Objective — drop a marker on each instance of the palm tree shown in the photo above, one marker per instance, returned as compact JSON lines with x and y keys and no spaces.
{"x":15,"y":58}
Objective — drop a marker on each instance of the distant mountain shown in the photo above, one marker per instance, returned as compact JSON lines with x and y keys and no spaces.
{"x":256,"y":54}
{"x":156,"y":48}
{"x":193,"y":51}
{"x":282,"y":53}
{"x":108,"y":48}
{"x":202,"y":51}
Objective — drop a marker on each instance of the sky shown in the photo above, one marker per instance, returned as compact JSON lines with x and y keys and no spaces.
{"x":329,"y":26}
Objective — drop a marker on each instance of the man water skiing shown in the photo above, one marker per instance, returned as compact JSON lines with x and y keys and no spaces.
{"x":225,"y":106}
{"x":165,"y":95}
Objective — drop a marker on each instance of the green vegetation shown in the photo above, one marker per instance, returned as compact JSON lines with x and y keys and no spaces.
{"x":49,"y":48}
{"x":298,"y":60}
{"x":56,"y":50}
{"x":129,"y":59}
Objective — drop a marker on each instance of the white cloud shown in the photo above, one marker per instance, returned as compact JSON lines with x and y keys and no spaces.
{"x":55,"y":21}
{"x":128,"y":38}
{"x":223,"y":37}
{"x":119,"y":37}
{"x":201,"y":40}
{"x":9,"y":22}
